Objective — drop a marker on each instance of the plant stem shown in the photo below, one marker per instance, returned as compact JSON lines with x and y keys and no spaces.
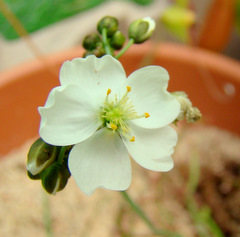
{"x":130,"y":42}
{"x":147,"y":221}
{"x":205,"y":224}
{"x":105,"y":42}
{"x":62,"y":153}
{"x":47,"y":219}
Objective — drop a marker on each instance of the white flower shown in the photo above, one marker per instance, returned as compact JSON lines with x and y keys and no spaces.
{"x":107,"y":116}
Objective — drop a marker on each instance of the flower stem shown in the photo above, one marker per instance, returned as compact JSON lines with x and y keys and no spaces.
{"x":105,"y":42}
{"x":130,"y":42}
{"x":63,"y":149}
{"x":47,"y":218}
{"x":147,"y":221}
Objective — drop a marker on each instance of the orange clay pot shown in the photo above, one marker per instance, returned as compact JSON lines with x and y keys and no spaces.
{"x":211,"y":81}
{"x":217,"y":25}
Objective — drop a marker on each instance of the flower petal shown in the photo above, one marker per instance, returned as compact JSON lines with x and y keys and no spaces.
{"x":96,"y":75}
{"x":102,"y":161}
{"x":68,"y":117}
{"x":152,"y":148}
{"x":149,"y":94}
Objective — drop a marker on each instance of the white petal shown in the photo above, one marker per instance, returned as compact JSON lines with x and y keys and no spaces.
{"x":149,"y":94}
{"x":101,"y":161}
{"x":152,"y":148}
{"x":96,"y":75}
{"x":69,"y":116}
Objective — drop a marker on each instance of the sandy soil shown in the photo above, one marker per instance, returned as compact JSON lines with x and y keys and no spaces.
{"x":24,"y":204}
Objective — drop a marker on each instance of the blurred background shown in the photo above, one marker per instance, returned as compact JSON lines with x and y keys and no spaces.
{"x":200,"y":197}
{"x":54,"y":25}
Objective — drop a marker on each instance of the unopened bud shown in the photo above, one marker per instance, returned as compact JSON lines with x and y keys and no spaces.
{"x":55,"y":178}
{"x":40,"y":156}
{"x":108,"y":22}
{"x":91,"y":41}
{"x":33,"y":177}
{"x":117,"y":40}
{"x":141,"y":30}
{"x":98,"y":52}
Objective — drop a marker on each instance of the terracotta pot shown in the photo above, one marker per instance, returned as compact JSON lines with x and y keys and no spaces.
{"x":217,"y":25}
{"x":211,"y":81}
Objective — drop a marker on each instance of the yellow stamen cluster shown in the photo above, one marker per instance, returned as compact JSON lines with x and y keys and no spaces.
{"x":116,"y":114}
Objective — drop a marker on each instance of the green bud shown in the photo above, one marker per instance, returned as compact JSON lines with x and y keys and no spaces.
{"x":40,"y":156}
{"x":141,"y":30}
{"x":55,"y":178}
{"x":98,"y":52}
{"x":110,"y":23}
{"x":91,"y":41}
{"x":117,"y":40}
{"x":34,"y":177}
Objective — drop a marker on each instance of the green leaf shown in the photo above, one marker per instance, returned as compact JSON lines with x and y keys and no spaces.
{"x":35,"y":14}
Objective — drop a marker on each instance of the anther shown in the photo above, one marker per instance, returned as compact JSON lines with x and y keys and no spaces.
{"x":113,"y":126}
{"x":147,"y":115}
{"x":129,"y":88}
{"x":109,"y":91}
{"x":132,"y":139}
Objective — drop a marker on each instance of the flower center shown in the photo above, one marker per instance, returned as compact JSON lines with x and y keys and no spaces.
{"x":116,"y":114}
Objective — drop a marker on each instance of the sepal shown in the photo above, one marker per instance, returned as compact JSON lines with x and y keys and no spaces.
{"x":40,"y":156}
{"x":55,"y":178}
{"x":141,"y":30}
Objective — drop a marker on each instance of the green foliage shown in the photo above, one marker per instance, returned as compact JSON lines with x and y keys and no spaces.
{"x":201,"y":216}
{"x":143,"y":2}
{"x":36,"y":14}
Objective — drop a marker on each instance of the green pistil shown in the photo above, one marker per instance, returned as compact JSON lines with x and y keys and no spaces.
{"x":116,"y":114}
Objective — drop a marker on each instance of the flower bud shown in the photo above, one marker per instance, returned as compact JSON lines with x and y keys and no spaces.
{"x":91,"y":41}
{"x":40,"y":156}
{"x":55,"y":178}
{"x":98,"y":52}
{"x":110,"y":23}
{"x":141,"y":30}
{"x":117,"y":40}
{"x":33,"y":177}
